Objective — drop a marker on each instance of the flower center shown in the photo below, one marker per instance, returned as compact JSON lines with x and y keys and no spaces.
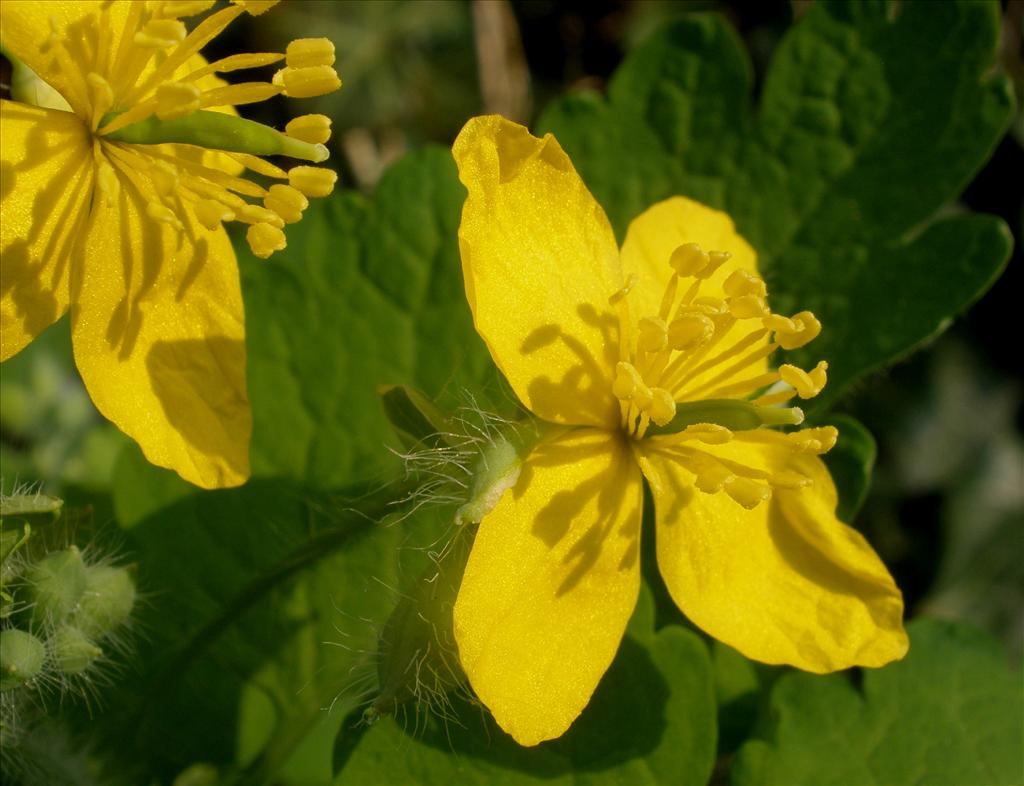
{"x":158,"y":113}
{"x":696,"y":370}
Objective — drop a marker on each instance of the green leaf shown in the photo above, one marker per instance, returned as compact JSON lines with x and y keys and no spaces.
{"x":949,"y":713}
{"x":367,"y":293}
{"x":836,"y":178}
{"x":660,"y":681}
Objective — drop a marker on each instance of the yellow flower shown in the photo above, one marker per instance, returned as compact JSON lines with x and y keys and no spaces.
{"x":113,"y":195}
{"x":609,"y":346}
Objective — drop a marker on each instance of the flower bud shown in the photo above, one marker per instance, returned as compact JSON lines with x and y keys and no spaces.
{"x":73,"y":651}
{"x":21,"y":657}
{"x":108,"y":600}
{"x":54,"y":586}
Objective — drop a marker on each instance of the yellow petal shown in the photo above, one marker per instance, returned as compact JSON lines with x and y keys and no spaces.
{"x":25,"y":31}
{"x":45,"y":188}
{"x":786,"y":582}
{"x":656,"y":233}
{"x":158,"y":334}
{"x":539,"y":261}
{"x":551,"y":583}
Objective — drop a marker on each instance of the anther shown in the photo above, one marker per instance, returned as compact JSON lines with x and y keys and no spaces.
{"x":164,"y":177}
{"x":306,"y":52}
{"x":806,"y":384}
{"x":715,"y":260}
{"x":626,"y":289}
{"x":210,"y":213}
{"x":661,"y":407}
{"x":256,"y":7}
{"x":788,"y":479}
{"x":161,"y":34}
{"x":815,"y":440}
{"x":794,"y":332}
{"x":102,"y":95}
{"x":627,"y":381}
{"x":690,"y":331}
{"x":742,"y":282}
{"x":265,"y":239}
{"x":748,"y":307}
{"x":286,"y":201}
{"x":162,"y":214}
{"x":254,"y":214}
{"x":314,"y":129}
{"x":711,"y":476}
{"x":709,"y":433}
{"x":688,"y":259}
{"x":176,"y":99}
{"x":173,"y":9}
{"x":312,"y":181}
{"x":748,"y":493}
{"x":106,"y":179}
{"x":653,"y":334}
{"x":307,"y":82}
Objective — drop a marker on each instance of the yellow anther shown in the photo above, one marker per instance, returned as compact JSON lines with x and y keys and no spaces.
{"x":712,"y":306}
{"x":210,"y":213}
{"x":176,"y":99}
{"x":106,"y":179}
{"x":265,"y":239}
{"x":748,"y":307}
{"x":690,"y":331}
{"x":315,"y":129}
{"x":688,"y":259}
{"x":806,"y":384}
{"x":254,"y":214}
{"x":709,"y":433}
{"x":161,"y":34}
{"x":312,"y":181}
{"x":653,"y":334}
{"x":796,"y":331}
{"x":711,"y":476}
{"x":256,"y":7}
{"x":306,"y":52}
{"x":162,"y":214}
{"x":715,"y":260}
{"x":307,"y":82}
{"x":747,"y":493}
{"x":286,"y":201}
{"x":164,"y":177}
{"x":788,"y":479}
{"x":626,"y":289}
{"x":102,"y":95}
{"x":742,"y":282}
{"x":661,"y":407}
{"x":815,"y":440}
{"x":172,"y":9}
{"x":627,"y":381}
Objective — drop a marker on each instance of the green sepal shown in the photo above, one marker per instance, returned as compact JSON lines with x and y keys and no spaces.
{"x":26,"y":505}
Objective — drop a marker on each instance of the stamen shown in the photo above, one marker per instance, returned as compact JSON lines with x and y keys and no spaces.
{"x":626,"y":288}
{"x":235,"y":63}
{"x":312,"y":181}
{"x":255,"y":214}
{"x":256,"y":7}
{"x":661,"y":407}
{"x":265,"y":239}
{"x":160,"y":34}
{"x":176,"y":99}
{"x":807,"y":385}
{"x":102,"y":97}
{"x":308,"y":52}
{"x":688,"y":260}
{"x":794,"y":332}
{"x":163,"y":214}
{"x":286,"y":201}
{"x":668,"y":299}
{"x":241,"y":93}
{"x":715,"y":260}
{"x":748,"y":493}
{"x":307,"y":82}
{"x":210,"y":213}
{"x":653,"y":334}
{"x":315,"y":129}
{"x":173,"y":9}
{"x":690,"y":331}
